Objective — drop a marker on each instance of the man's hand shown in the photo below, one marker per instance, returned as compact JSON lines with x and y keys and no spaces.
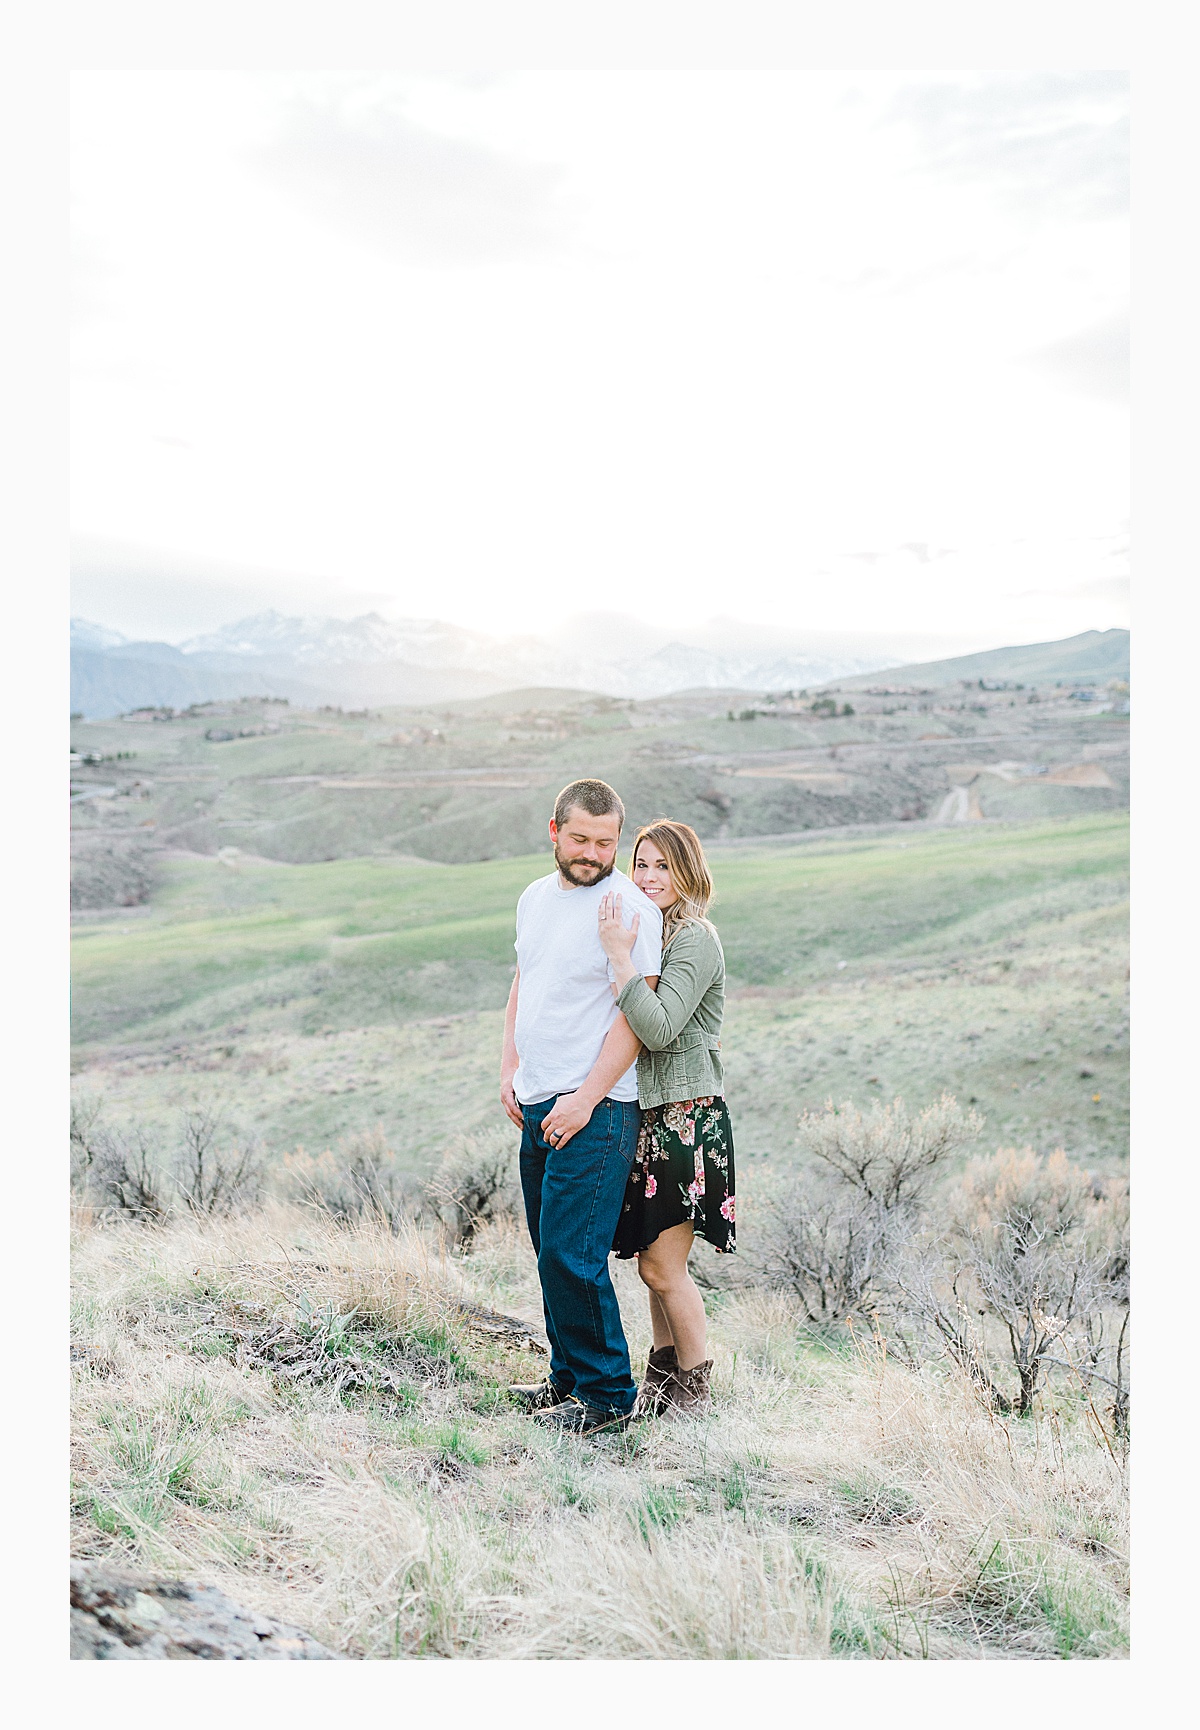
{"x":571,"y":1113}
{"x":508,"y":1100}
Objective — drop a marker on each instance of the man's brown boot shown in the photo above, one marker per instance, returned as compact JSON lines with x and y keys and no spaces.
{"x":686,"y":1393}
{"x":660,"y":1367}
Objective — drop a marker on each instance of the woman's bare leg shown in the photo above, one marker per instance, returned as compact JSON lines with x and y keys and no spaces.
{"x":658,"y":1321}
{"x":663,"y":1268}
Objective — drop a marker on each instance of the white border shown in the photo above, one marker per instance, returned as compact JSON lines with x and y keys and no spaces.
{"x":43,"y":44}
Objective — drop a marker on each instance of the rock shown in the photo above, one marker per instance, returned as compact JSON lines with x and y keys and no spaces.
{"x":116,"y":1614}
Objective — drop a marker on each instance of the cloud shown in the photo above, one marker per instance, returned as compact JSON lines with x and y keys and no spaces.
{"x":1054,"y":143}
{"x":414,"y":193}
{"x":1104,"y":589}
{"x":147,"y":592}
{"x":1093,"y":362}
{"x":923,"y":552}
{"x":1113,"y":591}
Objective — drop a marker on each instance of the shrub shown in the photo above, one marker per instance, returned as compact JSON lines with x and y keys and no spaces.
{"x":1025,"y":1247}
{"x":820,"y":1240}
{"x":1111,"y":1242}
{"x":476,"y":1181}
{"x":887,"y":1155}
{"x":125,"y":1174}
{"x":213,"y":1178}
{"x":1021,"y":1222}
{"x":111,"y":872}
{"x":831,"y":1231}
{"x":85,"y":1134}
{"x":358,"y":1179}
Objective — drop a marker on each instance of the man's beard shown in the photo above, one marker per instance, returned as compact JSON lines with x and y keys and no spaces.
{"x":569,"y":867}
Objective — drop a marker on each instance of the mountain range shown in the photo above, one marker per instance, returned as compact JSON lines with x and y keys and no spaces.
{"x":372,"y":661}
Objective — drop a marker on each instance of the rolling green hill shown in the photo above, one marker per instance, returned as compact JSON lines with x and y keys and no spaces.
{"x":476,"y":779}
{"x":318,"y":999}
{"x":1098,"y":655}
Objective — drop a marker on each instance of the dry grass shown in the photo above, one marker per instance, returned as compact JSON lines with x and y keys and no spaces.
{"x":313,"y":1418}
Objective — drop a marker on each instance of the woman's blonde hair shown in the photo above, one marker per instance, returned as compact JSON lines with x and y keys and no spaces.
{"x":691,"y":879}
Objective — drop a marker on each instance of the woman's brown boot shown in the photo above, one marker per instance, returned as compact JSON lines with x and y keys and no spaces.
{"x":661,"y":1365}
{"x":687,"y":1392}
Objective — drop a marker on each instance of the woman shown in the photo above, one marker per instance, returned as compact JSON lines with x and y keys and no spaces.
{"x":682,"y":1181}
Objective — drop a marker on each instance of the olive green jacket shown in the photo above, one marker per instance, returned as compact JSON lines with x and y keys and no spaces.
{"x":679,"y":1025}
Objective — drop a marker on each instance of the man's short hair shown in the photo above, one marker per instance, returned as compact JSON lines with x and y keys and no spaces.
{"x":597,"y":798}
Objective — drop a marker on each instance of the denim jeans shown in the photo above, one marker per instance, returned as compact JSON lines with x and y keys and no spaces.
{"x":573,"y":1197}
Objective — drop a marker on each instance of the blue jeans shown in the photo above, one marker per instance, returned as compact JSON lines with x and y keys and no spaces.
{"x":573,"y":1197}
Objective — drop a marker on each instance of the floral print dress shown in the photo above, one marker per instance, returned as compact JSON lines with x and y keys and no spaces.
{"x":683,"y":1170}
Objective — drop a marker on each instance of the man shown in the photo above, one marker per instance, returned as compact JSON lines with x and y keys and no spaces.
{"x":568,"y":1081}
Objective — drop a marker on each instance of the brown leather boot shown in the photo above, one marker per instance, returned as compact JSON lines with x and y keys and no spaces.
{"x":660,"y":1367}
{"x":687,"y":1392}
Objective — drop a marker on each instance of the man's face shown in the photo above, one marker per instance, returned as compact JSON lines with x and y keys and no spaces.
{"x":585,"y":847}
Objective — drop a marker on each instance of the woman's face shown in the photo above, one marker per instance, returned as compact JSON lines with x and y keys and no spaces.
{"x":652,"y":875}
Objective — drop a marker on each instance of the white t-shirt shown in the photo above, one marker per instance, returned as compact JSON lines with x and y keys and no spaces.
{"x":564,"y":1005}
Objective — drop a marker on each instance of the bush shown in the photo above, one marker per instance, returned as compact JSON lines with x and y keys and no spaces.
{"x":111,"y":872}
{"x":476,"y":1181}
{"x":212,"y":1178}
{"x":358,"y":1179}
{"x":1025,"y":1247}
{"x":819,"y":1240}
{"x":1107,"y":1326}
{"x":886,"y":1155}
{"x":124,"y":1174}
{"x":831,"y":1231}
{"x":1020,"y":1223}
{"x":85,"y":1130}
{"x":127,"y":1171}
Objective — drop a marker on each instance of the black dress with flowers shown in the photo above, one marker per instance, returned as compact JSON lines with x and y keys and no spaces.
{"x":683,"y":1170}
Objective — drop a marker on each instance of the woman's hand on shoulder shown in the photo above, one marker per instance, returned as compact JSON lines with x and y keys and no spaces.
{"x":616,"y":939}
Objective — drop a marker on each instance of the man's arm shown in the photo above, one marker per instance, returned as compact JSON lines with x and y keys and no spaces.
{"x":510,"y":1061}
{"x":572,"y":1111}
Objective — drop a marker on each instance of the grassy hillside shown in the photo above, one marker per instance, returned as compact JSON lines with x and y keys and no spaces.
{"x":315,"y":1420}
{"x":1098,"y":655}
{"x":313,"y":1416}
{"x":317,"y":1000}
{"x":476,"y":780}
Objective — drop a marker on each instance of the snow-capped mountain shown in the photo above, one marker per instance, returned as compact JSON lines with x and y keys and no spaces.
{"x":87,"y":635}
{"x":620,"y":657}
{"x":323,"y":642}
{"x":377,"y":661}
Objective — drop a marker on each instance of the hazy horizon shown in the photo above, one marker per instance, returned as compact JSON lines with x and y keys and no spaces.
{"x":141,"y":606}
{"x":607,"y":633}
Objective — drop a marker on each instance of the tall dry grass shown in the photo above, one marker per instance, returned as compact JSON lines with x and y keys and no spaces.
{"x":312,"y":1416}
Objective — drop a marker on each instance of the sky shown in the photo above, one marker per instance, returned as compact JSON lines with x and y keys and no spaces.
{"x":833,"y":352}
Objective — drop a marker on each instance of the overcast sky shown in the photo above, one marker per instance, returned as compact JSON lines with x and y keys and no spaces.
{"x":842,"y":351}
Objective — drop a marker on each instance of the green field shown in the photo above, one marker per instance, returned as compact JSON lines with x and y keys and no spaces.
{"x":312,"y":1000}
